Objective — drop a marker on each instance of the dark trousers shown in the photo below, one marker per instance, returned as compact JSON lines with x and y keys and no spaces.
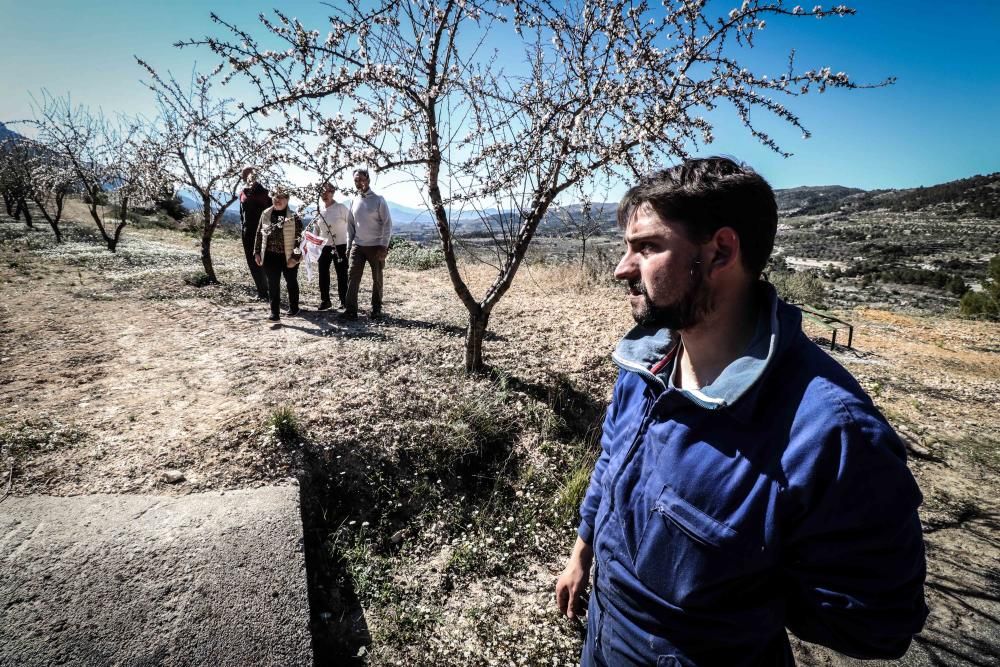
{"x":361,"y":255}
{"x":338,"y":257}
{"x":256,"y":272}
{"x":274,"y":268}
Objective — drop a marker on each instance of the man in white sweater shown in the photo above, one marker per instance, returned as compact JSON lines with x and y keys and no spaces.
{"x":368,"y":236}
{"x":332,"y":223}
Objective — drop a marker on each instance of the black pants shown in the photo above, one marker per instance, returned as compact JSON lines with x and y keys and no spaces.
{"x":256,"y":272}
{"x":339,"y":260}
{"x":274,"y":268}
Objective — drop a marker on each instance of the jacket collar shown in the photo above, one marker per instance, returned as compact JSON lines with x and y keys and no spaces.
{"x":651,"y":354}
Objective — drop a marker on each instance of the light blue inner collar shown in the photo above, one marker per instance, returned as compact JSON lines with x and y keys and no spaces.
{"x":643,"y":347}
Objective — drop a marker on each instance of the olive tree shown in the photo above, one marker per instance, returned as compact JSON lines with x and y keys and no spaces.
{"x":610,"y":87}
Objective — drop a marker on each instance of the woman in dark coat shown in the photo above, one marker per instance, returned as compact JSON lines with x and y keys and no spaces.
{"x":253,"y":200}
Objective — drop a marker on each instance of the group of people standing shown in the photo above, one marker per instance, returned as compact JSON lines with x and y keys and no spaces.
{"x":352,"y":237}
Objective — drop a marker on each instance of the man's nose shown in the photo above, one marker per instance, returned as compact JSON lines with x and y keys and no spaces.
{"x":627,"y":268}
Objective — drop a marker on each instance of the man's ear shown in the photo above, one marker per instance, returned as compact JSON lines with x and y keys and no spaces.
{"x":724,"y":250}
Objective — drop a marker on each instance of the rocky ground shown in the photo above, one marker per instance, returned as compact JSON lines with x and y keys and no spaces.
{"x":439,"y":508}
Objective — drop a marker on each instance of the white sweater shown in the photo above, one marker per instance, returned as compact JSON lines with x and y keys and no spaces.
{"x":372,"y":225}
{"x":332,"y":223}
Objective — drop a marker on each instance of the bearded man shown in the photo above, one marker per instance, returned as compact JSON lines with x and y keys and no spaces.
{"x":746,"y":483}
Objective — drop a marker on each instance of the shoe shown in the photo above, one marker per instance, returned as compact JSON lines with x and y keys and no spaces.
{"x":274,"y":318}
{"x":347,"y":315}
{"x":293,"y":313}
{"x":376,"y":315}
{"x":326,"y":305}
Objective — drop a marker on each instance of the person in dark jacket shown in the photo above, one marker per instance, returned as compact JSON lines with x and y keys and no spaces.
{"x":277,"y":250}
{"x":746,"y":482}
{"x":253,"y":200}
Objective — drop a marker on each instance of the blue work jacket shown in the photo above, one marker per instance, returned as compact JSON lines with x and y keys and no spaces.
{"x":778,"y":497}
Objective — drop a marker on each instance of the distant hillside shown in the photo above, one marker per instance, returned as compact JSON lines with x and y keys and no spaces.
{"x":7,"y":133}
{"x":794,"y":200}
{"x":978,"y":196}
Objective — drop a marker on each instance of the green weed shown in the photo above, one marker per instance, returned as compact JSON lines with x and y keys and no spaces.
{"x":285,"y":426}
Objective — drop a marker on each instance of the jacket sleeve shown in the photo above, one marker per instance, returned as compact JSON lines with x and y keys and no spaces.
{"x":386,"y":222}
{"x":351,"y":226}
{"x":854,"y":563}
{"x":592,"y":499}
{"x":258,"y":236}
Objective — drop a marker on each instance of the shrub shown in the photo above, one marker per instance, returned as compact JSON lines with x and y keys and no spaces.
{"x":803,"y":287}
{"x":198,"y":279}
{"x":171,"y":205}
{"x":979,"y":305}
{"x":414,"y":256}
{"x":115,"y":211}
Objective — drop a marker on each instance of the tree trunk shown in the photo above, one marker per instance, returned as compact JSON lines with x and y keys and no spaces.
{"x":55,"y":230}
{"x":53,"y":223}
{"x":474,"y":341}
{"x":22,"y":207}
{"x":206,"y":255}
{"x":113,"y":241}
{"x":209,"y":223}
{"x":60,"y":197}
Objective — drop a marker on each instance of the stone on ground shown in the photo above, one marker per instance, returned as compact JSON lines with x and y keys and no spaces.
{"x":205,"y":579}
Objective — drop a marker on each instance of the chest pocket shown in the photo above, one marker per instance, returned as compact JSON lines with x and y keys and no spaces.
{"x":686,"y":556}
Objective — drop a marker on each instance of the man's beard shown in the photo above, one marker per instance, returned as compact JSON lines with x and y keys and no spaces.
{"x":685,"y":312}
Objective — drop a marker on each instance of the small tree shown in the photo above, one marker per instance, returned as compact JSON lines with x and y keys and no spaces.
{"x":205,"y":150}
{"x":51,"y":180}
{"x":580,"y":222}
{"x":612,"y":85}
{"x":15,"y":177}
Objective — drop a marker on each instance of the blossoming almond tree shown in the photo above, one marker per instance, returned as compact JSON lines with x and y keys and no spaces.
{"x":112,"y":159}
{"x":15,"y":177}
{"x":51,"y":180}
{"x":204,"y":149}
{"x":610,"y":85}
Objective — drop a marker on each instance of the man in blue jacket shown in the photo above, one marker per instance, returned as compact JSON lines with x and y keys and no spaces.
{"x":746,"y":482}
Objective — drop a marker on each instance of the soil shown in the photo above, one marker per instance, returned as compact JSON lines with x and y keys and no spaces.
{"x":117,"y":369}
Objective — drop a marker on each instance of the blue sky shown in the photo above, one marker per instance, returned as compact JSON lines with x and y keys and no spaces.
{"x":937,"y":123}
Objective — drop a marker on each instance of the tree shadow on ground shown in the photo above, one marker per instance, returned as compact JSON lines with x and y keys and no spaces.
{"x":580,"y":415}
{"x":449,"y":329}
{"x":963,"y":593}
{"x":329,"y":323}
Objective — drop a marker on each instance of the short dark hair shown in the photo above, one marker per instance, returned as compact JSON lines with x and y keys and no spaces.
{"x":703,"y":195}
{"x":361,"y":171}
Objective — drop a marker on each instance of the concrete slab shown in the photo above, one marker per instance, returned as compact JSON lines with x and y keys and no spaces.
{"x":205,"y":579}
